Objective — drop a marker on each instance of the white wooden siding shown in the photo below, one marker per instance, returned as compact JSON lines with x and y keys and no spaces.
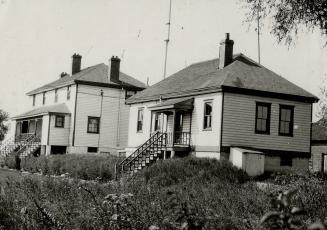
{"x":59,"y":136}
{"x":199,"y":137}
{"x":45,"y":130}
{"x":316,"y":156}
{"x":202,"y":138}
{"x":239,"y":124}
{"x":114,"y":112}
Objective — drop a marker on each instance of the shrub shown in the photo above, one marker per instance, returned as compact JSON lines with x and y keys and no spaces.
{"x":82,"y":166}
{"x":199,"y":170}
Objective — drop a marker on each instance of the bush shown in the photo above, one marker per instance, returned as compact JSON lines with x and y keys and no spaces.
{"x":198,"y":170}
{"x":82,"y":166}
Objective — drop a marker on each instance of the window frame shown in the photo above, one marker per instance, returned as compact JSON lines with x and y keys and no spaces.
{"x":34,"y":98}
{"x":138,"y":120}
{"x":268,"y":120}
{"x":43,"y":98}
{"x":210,"y":101}
{"x":68,"y":93}
{"x":63,"y":121}
{"x":56,"y":96}
{"x":88,"y":123}
{"x":291,"y":122}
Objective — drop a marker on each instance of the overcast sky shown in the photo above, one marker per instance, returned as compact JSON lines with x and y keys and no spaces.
{"x":38,"y":38}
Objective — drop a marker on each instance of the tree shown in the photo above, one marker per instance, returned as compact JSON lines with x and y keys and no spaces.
{"x":3,"y":127}
{"x":322,"y":104}
{"x":289,"y":16}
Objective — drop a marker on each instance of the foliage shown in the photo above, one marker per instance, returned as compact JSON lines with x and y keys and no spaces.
{"x":82,"y":166}
{"x":3,"y":127}
{"x":288,"y":16}
{"x":322,"y":104}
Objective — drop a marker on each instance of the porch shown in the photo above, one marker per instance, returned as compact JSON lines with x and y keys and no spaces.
{"x":173,"y":117}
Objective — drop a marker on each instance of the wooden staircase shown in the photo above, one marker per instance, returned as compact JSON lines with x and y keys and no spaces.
{"x":142,"y":157}
{"x":21,"y":146}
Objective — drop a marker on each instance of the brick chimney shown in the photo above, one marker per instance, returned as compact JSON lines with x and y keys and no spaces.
{"x":225,"y":52}
{"x":76,"y":63}
{"x":114,"y":68}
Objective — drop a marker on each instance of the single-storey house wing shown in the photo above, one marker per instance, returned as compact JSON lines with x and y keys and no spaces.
{"x":227,"y":108}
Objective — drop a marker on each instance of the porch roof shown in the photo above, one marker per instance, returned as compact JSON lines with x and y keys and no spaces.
{"x":179,"y":103}
{"x":44,"y":110}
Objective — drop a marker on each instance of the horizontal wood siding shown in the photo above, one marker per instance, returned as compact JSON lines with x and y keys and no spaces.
{"x":239,"y":124}
{"x":200,"y":137}
{"x":316,"y":156}
{"x":114,"y":120}
{"x":59,"y":136}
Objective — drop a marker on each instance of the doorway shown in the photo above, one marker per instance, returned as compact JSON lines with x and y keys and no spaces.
{"x":324,"y":162}
{"x":25,"y":127}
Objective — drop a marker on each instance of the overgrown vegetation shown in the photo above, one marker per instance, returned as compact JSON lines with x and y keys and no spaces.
{"x":3,"y":127}
{"x":81,"y":166}
{"x":184,"y":193}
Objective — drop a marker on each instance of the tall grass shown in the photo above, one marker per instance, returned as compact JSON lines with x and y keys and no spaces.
{"x":82,"y":166}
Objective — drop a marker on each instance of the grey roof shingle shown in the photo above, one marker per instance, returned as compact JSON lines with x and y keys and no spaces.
{"x":93,"y":74}
{"x":242,"y":73}
{"x":59,"y":108}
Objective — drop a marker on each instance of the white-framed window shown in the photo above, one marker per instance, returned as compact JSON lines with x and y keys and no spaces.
{"x":56,"y":96}
{"x":207,"y":115}
{"x":140,"y":112}
{"x":68,"y":93}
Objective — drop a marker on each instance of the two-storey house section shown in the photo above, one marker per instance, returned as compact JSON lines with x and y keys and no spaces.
{"x":78,"y":113}
{"x":228,"y":108}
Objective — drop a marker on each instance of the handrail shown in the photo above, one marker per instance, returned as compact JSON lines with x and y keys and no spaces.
{"x":29,"y":140}
{"x":163,"y":134}
{"x":141,"y":146}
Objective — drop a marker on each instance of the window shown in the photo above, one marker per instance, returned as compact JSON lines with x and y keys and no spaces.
{"x":56,"y":96}
{"x":286,"y":114}
{"x":157,"y":121}
{"x":68,"y":93}
{"x":140,"y":120}
{"x":43,"y":99}
{"x":286,"y":161}
{"x":262,"y":118}
{"x":129,"y":93}
{"x":34,"y":100}
{"x":93,"y":124}
{"x":92,"y":149}
{"x":207,"y":117}
{"x":60,"y":121}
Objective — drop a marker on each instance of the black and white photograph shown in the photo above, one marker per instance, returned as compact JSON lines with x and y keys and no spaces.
{"x":163,"y":114}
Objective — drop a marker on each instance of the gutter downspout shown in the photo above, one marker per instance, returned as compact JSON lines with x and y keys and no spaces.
{"x":118,"y":120}
{"x":74,"y":129}
{"x":101,"y":94}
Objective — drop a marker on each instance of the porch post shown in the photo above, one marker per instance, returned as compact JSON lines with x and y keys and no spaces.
{"x":150,"y":123}
{"x":173,"y":134}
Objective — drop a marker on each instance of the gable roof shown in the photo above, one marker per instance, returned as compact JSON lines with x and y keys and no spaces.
{"x":97,"y":75}
{"x":319,"y":131}
{"x":59,"y":108}
{"x":242,"y":73}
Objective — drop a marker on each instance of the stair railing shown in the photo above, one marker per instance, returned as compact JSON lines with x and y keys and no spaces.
{"x":28,"y":143}
{"x":146,"y":148}
{"x":127,"y":161}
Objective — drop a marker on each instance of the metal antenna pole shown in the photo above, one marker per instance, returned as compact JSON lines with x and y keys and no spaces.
{"x":167,"y":40}
{"x":258,"y":29}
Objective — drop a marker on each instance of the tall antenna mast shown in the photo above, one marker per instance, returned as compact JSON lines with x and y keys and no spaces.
{"x":258,"y":29}
{"x":167,"y":40}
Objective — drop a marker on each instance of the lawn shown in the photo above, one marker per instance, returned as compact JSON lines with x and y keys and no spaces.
{"x":187,"y":193}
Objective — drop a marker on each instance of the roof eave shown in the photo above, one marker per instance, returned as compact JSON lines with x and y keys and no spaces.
{"x":261,"y":93}
{"x":108,"y":85}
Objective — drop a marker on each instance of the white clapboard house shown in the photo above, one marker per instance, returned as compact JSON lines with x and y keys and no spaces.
{"x":227,"y":108}
{"x":78,"y":113}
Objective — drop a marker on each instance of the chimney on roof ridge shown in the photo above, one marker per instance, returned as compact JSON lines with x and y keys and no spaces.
{"x":76,"y":63}
{"x":63,"y":74}
{"x":225,"y":52}
{"x":114,"y":69}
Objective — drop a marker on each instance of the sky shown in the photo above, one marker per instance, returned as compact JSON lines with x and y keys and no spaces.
{"x":38,"y":38}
